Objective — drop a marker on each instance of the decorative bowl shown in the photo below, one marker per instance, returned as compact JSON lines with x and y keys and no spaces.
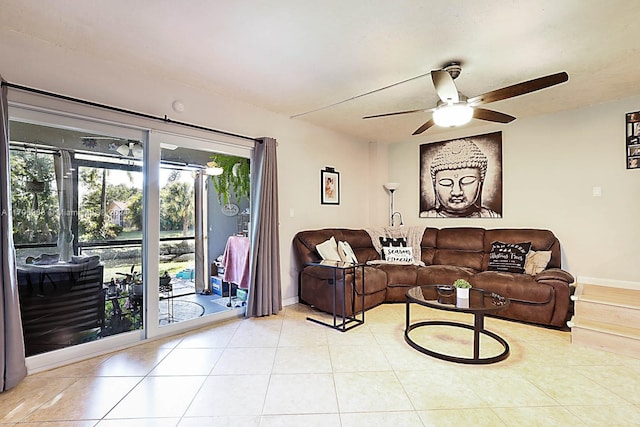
{"x":445,"y":293}
{"x":445,"y":290}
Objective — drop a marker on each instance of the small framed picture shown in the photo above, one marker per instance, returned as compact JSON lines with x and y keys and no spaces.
{"x":633,"y":140}
{"x":330,"y":187}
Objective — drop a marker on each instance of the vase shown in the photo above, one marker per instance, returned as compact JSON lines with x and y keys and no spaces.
{"x":462,"y":297}
{"x":462,"y":293}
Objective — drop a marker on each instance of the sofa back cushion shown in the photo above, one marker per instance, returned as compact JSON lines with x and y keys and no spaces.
{"x":460,"y":247}
{"x":304,"y":244}
{"x":428,"y":245}
{"x":467,"y":247}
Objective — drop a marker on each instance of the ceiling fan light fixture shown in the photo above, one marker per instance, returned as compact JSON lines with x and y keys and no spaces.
{"x":451,"y":115}
{"x":137,"y":151}
{"x":123,"y":150}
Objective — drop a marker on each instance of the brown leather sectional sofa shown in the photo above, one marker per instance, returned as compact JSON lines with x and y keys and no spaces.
{"x":448,"y":254}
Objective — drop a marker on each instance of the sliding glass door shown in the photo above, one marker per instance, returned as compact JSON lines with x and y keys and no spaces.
{"x":78,"y":213}
{"x":193,"y":231}
{"x":120,"y":232}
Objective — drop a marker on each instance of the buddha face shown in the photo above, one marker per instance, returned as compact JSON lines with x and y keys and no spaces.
{"x":457,"y":190}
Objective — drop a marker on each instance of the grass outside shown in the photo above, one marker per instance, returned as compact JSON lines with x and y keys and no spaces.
{"x":171,"y":268}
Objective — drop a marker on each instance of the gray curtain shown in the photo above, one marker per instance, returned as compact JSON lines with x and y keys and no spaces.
{"x":200,"y":270}
{"x":265,"y":291}
{"x":12,"y":360}
{"x":64,"y":183}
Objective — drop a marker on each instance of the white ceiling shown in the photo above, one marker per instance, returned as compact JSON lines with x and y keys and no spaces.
{"x":293,"y":56}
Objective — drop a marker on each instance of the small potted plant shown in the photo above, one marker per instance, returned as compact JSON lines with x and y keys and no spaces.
{"x":462,"y":288}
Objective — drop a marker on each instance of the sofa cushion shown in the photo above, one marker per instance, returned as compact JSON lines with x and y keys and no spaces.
{"x":510,"y":257}
{"x":456,"y":258}
{"x":360,"y":242}
{"x":428,"y":245}
{"x":399,"y":274}
{"x":442,"y":274}
{"x":374,"y":279}
{"x":461,"y":238}
{"x":461,"y":247}
{"x":517,"y":287}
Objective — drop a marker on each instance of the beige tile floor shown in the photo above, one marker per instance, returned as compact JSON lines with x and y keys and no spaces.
{"x":285,"y":371}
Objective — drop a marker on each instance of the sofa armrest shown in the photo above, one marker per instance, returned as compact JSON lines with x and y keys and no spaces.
{"x":554,"y":274}
{"x":321,"y":273}
{"x":561,"y":281}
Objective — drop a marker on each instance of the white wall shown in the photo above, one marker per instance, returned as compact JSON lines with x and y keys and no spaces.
{"x":550,"y":165}
{"x":303,"y":149}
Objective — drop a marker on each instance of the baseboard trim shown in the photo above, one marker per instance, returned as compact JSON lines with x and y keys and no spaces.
{"x":608,"y":282}
{"x":290,"y":301}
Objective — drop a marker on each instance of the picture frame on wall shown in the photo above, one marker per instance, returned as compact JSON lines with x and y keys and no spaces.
{"x":462,"y":177}
{"x":329,"y":187}
{"x":633,"y":140}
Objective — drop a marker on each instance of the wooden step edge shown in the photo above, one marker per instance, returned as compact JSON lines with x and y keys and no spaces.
{"x":607,"y":328}
{"x":607,"y":303}
{"x":607,"y":294}
{"x":577,"y":294}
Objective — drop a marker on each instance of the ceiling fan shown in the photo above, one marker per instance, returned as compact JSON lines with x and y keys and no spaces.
{"x":455,"y":109}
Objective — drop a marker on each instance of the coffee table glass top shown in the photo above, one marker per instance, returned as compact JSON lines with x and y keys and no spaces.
{"x":479,"y":300}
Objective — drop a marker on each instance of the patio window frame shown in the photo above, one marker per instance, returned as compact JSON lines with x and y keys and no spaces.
{"x":34,"y":108}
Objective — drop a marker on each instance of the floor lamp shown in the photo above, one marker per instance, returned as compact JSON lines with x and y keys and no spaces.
{"x":391,"y":188}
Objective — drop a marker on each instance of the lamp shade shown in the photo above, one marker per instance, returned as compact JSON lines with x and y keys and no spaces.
{"x":450,"y":115}
{"x":392,"y":186}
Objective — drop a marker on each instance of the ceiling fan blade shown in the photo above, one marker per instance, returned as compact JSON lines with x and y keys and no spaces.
{"x":424,"y":127}
{"x":359,"y":96}
{"x":492,"y":116}
{"x":519,"y":89}
{"x":394,"y":114}
{"x":445,"y":87}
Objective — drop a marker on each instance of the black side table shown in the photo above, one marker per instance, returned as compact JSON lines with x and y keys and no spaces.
{"x":357,"y":317}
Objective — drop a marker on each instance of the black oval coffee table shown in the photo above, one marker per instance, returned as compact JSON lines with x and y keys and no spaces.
{"x":479,"y":303}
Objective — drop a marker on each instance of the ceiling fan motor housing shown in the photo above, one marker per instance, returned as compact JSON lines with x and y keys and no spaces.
{"x":453,"y":68}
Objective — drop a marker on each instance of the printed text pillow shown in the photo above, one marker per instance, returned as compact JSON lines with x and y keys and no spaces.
{"x":398,"y":254}
{"x":510,"y":257}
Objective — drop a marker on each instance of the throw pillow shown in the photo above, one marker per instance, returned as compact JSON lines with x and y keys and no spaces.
{"x":510,"y":257}
{"x":398,"y":254}
{"x":387,"y":242}
{"x":346,"y":252}
{"x":536,"y":261}
{"x":328,"y":250}
{"x":393,"y":241}
{"x":46,"y":259}
{"x":84,"y":259}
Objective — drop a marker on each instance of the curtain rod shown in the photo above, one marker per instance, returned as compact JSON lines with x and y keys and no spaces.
{"x":164,"y":119}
